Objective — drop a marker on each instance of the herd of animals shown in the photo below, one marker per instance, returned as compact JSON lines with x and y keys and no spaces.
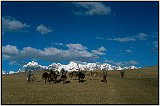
{"x":56,"y":77}
{"x":53,"y":75}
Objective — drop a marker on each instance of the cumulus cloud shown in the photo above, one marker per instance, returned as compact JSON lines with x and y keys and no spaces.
{"x":92,"y":8}
{"x":76,"y":46}
{"x":102,"y":48}
{"x":76,"y":52}
{"x":100,"y":51}
{"x":11,"y":24}
{"x":9,"y":49}
{"x":43,"y":29}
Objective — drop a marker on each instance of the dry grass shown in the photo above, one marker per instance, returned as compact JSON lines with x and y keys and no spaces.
{"x":16,"y":90}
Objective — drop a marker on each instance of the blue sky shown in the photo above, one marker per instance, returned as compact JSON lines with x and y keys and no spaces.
{"x":119,"y":33}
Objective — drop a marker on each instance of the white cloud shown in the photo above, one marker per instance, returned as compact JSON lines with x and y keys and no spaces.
{"x":131,"y":62}
{"x":74,"y":52}
{"x":141,"y":36}
{"x":155,"y":46}
{"x":155,"y":43}
{"x":43,"y":29}
{"x":128,"y":51}
{"x":12,"y":63}
{"x":96,"y":52}
{"x":9,"y":49}
{"x":76,"y":46}
{"x":100,"y":51}
{"x":118,"y":63}
{"x":128,"y":63}
{"x":92,"y":8}
{"x":100,"y":38}
{"x":58,"y":44}
{"x":154,"y":34}
{"x":108,"y":61}
{"x":114,"y":63}
{"x":102,"y":48}
{"x":11,"y":24}
{"x":124,"y":39}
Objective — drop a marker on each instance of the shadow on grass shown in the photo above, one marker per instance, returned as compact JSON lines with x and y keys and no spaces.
{"x":67,"y":82}
{"x":82,"y":81}
{"x":103,"y":81}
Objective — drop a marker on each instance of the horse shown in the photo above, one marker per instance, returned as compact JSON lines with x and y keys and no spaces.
{"x":73,"y":74}
{"x":52,"y":76}
{"x":45,"y":76}
{"x":63,"y":77}
{"x":81,"y":76}
{"x":78,"y":75}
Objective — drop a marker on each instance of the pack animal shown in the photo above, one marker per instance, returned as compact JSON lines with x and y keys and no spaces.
{"x":52,"y":76}
{"x":45,"y":76}
{"x":78,"y":75}
{"x":63,"y":77}
{"x":73,"y":75}
{"x":81,"y":76}
{"x":94,"y":74}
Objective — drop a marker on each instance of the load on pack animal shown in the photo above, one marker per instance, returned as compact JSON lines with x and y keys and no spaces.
{"x":63,"y":77}
{"x":78,"y":75}
{"x":52,"y":76}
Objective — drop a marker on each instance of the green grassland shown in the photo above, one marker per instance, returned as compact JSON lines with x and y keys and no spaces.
{"x":139,"y":86}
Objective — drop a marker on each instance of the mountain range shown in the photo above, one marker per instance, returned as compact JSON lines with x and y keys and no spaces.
{"x":72,"y":66}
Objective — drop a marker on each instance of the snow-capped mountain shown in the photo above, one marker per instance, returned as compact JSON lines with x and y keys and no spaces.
{"x":32,"y":66}
{"x":72,"y":66}
{"x":131,"y":67}
{"x":75,"y":66}
{"x":12,"y":72}
{"x":4,"y":72}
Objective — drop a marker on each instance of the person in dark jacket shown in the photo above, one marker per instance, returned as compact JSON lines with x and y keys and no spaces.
{"x":29,"y":76}
{"x":122,"y":73}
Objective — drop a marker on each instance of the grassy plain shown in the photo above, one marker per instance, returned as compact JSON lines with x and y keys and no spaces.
{"x":139,"y":86}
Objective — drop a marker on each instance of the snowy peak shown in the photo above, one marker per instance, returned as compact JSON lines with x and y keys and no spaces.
{"x":77,"y":65}
{"x":72,"y":66}
{"x":31,"y":64}
{"x":4,"y":72}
